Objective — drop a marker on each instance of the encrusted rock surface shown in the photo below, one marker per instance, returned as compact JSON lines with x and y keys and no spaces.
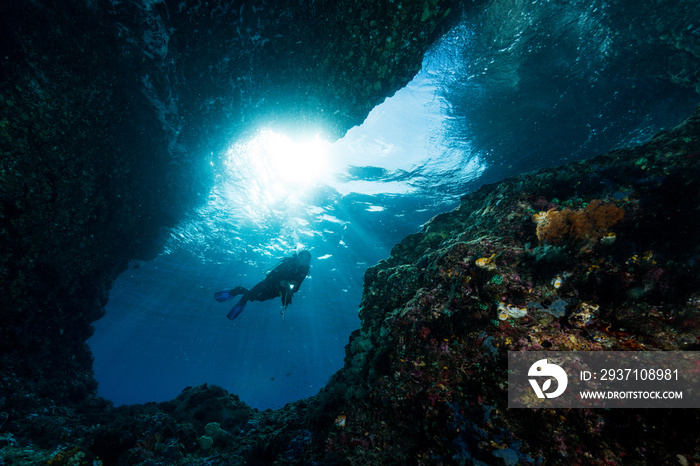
{"x":425,"y":376}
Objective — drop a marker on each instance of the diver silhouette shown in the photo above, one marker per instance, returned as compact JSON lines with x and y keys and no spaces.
{"x":284,"y":280}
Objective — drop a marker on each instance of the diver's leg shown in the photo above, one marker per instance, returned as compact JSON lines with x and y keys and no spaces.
{"x":227,"y":295}
{"x":266,"y":289}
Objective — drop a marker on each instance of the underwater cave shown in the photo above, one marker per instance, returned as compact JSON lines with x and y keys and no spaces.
{"x":470,"y":178}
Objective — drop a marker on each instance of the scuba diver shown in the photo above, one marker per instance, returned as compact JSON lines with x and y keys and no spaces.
{"x":284,"y":280}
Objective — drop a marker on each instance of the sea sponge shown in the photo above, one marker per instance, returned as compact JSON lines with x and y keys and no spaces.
{"x":595,"y":219}
{"x":584,"y":225}
{"x":217,"y":434}
{"x":553,"y":225}
{"x":214,"y":430}
{"x":206,"y":442}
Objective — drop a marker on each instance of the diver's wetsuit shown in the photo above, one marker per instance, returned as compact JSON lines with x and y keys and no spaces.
{"x":284,"y":280}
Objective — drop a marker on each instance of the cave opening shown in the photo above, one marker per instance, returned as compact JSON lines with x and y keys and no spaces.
{"x":467,"y":118}
{"x":277,"y":191}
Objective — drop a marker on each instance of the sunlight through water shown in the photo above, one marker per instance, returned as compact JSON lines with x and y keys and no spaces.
{"x":274,"y":193}
{"x":272,"y":167}
{"x":348,"y":202}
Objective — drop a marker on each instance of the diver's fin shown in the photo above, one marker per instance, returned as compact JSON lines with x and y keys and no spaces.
{"x":227,"y":295}
{"x":223,"y":296}
{"x":237,"y":309}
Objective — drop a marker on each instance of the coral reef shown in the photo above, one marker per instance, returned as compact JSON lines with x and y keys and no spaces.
{"x":426,"y":382}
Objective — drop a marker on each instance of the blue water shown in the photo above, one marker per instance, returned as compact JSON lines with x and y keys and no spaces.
{"x":540,"y":90}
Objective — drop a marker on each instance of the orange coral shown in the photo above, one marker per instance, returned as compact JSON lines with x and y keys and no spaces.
{"x":552,"y":226}
{"x":587,"y":225}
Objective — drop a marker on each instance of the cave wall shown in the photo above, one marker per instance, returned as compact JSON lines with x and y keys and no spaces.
{"x":218,"y":67}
